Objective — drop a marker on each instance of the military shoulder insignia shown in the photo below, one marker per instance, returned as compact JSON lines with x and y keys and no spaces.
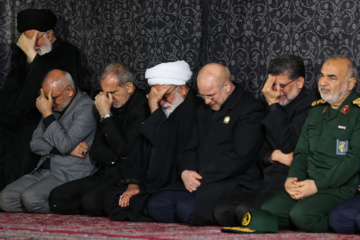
{"x":318,"y":102}
{"x":356,"y":102}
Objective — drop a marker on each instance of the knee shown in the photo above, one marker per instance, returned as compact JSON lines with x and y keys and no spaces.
{"x":28,"y":199}
{"x":7,"y":200}
{"x":335,"y":217}
{"x":91,"y":206}
{"x":221,"y":214}
{"x":185,"y":212}
{"x":161,"y":209}
{"x":155,"y":204}
{"x":302,"y":219}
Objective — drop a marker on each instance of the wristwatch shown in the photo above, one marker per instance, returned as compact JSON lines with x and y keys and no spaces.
{"x":105,"y":116}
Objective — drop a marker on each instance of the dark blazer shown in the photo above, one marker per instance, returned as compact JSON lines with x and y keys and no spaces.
{"x":77,"y":124}
{"x":283,"y":127}
{"x":116,"y":135}
{"x":223,"y":151}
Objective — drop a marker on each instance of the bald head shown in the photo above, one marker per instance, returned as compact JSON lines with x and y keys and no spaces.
{"x":59,"y":85}
{"x":214,"y":84}
{"x":58,"y":79}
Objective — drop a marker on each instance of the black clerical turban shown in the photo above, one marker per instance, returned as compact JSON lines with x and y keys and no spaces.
{"x":38,"y":19}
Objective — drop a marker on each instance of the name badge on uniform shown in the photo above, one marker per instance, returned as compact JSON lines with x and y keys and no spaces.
{"x":226,"y":119}
{"x":341,"y":147}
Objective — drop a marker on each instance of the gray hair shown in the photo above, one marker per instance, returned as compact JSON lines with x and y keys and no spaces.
{"x":121,"y":73}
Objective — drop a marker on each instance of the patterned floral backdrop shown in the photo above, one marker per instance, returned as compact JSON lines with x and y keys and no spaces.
{"x":242,"y":34}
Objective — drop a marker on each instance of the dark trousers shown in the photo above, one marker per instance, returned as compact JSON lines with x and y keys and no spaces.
{"x":309,"y":214}
{"x":345,"y":218}
{"x":82,"y":196}
{"x":172,"y":206}
{"x":230,"y":211}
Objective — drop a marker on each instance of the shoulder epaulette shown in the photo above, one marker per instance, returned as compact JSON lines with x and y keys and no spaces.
{"x":318,"y":102}
{"x":356,"y":102}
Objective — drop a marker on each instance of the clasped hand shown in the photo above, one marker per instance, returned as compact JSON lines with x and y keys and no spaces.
{"x":300,"y":189}
{"x":191,"y":180}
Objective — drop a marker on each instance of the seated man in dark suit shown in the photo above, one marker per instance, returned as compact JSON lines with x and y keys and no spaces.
{"x":67,"y":122}
{"x":122,"y":108}
{"x":288,"y":105}
{"x":219,"y":159}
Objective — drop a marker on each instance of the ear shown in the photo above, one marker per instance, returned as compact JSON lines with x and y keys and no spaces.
{"x":50,"y":36}
{"x":183,"y":90}
{"x":300,"y":82}
{"x":227,"y":86}
{"x":351,"y":85}
{"x":70,"y":91}
{"x":130,"y":87}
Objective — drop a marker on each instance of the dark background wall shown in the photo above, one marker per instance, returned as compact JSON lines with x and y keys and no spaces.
{"x":241,"y":34}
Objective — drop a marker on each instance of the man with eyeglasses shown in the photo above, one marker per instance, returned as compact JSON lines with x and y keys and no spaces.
{"x":151,"y":166}
{"x":219,"y":159}
{"x":122,"y":108}
{"x":38,"y":51}
{"x":325,"y":169}
{"x":287,"y":104}
{"x":67,"y":121}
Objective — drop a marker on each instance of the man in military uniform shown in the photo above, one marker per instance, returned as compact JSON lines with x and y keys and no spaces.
{"x":325,"y":168}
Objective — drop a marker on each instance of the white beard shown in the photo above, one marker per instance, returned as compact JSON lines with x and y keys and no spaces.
{"x":46,"y":47}
{"x":172,"y":106}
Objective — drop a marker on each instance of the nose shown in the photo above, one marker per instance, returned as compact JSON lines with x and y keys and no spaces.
{"x":322,"y":81}
{"x":207,"y":100}
{"x":162,"y":102}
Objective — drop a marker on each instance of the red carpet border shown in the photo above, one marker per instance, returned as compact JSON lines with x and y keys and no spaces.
{"x":51,"y":226}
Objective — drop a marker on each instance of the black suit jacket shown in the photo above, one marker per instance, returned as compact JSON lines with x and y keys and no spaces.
{"x":116,"y":135}
{"x":223,"y":151}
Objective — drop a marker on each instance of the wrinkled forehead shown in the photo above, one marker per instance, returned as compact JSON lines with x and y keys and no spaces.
{"x":162,"y":87}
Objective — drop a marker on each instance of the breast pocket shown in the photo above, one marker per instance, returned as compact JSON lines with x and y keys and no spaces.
{"x":342,"y":138}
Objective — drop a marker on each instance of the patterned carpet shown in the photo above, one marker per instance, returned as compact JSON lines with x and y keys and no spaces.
{"x":50,"y":226}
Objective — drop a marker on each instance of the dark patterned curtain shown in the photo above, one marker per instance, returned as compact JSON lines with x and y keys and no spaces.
{"x":241,"y":34}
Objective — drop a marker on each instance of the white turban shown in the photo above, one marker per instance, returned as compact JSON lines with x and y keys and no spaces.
{"x":171,"y":73}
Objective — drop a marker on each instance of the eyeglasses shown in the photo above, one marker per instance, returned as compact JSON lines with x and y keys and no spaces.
{"x":282,"y":86}
{"x":211,"y":96}
{"x":166,"y":95}
{"x":54,"y":98}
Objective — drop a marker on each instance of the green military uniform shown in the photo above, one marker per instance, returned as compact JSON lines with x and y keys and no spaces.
{"x":327,"y":152}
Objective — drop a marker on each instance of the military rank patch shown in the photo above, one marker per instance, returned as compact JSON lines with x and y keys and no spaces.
{"x":318,"y":102}
{"x":356,"y":102}
{"x":341,"y":147}
{"x":345,"y":109}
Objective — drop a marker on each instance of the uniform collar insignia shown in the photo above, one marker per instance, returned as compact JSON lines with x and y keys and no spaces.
{"x":318,"y":102}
